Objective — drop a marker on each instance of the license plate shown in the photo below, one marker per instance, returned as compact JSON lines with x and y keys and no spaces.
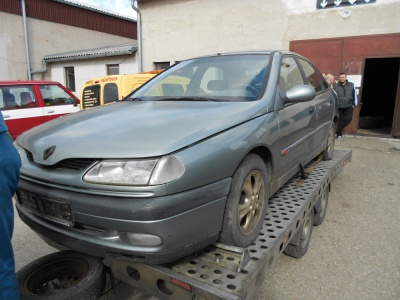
{"x":54,"y":210}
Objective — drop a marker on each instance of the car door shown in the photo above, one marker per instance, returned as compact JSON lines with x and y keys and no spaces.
{"x":324,"y":101}
{"x":57,"y":101}
{"x":20,"y":109}
{"x":296,"y":120}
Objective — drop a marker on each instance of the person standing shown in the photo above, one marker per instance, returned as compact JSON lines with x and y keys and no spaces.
{"x":10,"y":164}
{"x":346,"y":102}
{"x":330,"y":79}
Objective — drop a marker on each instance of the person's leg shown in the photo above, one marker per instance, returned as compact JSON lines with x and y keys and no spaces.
{"x":347,"y":116}
{"x":339,"y":126}
{"x":9,"y":175}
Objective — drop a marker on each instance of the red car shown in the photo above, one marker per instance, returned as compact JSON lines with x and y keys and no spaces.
{"x":26,"y":104}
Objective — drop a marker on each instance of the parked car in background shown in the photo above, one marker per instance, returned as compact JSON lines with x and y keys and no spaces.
{"x":26,"y":104}
{"x":164,"y":173}
{"x":107,"y":89}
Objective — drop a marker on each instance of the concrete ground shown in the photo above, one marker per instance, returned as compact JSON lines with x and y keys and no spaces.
{"x":355,"y":253}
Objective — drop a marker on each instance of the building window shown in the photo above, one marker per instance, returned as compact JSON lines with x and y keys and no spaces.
{"x":112,"y":69}
{"x":70,"y":78}
{"x":161,"y":65}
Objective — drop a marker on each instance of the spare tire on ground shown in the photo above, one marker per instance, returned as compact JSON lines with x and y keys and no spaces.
{"x":62,"y":275}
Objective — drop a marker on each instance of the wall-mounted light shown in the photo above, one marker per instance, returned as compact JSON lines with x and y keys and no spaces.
{"x":346,"y":14}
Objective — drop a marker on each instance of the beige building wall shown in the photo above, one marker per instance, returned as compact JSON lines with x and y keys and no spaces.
{"x":45,"y":38}
{"x":178,"y":29}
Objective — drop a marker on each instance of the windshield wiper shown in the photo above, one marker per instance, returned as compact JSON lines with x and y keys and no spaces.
{"x":191,"y":99}
{"x":132,"y":99}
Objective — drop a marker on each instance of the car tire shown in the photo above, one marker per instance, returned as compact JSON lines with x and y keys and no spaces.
{"x":62,"y":275}
{"x":320,"y":207}
{"x":327,"y":154}
{"x":298,"y":246}
{"x":247,"y":203}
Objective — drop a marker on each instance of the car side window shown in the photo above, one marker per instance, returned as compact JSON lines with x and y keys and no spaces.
{"x":289,"y":75}
{"x":17,"y":97}
{"x":55,"y":95}
{"x":314,"y":78}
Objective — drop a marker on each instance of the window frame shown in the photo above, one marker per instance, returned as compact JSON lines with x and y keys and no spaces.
{"x":70,"y":78}
{"x":316,"y":71}
{"x":112,"y":66}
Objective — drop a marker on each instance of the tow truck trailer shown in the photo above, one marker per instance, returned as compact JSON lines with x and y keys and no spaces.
{"x":226,"y":272}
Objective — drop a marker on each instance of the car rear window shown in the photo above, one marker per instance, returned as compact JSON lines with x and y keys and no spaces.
{"x":110,"y":92}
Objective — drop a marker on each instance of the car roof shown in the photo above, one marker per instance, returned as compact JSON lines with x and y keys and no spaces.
{"x":25,"y":82}
{"x":246,"y":53}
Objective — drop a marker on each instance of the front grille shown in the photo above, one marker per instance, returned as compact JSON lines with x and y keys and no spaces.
{"x":29,"y":155}
{"x":76,"y":164}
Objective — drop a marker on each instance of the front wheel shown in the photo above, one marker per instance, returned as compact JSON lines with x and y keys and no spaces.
{"x":62,"y":275}
{"x":246,"y":203}
{"x":327,"y":154}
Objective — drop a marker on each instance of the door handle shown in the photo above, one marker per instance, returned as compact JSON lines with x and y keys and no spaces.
{"x":6,"y":116}
{"x":311,"y":109}
{"x":50,"y":111}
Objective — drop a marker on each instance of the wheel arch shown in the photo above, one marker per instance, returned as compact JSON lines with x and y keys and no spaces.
{"x":265,"y":154}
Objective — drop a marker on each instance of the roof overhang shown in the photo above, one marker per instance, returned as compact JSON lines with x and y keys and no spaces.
{"x":126,"y":49}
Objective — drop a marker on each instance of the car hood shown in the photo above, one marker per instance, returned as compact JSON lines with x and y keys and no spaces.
{"x":134,"y":129}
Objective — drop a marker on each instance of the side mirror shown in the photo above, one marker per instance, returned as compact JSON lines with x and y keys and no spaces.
{"x":299,"y":93}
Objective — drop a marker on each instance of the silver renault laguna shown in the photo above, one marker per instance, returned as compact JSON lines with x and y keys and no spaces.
{"x":188,"y":159}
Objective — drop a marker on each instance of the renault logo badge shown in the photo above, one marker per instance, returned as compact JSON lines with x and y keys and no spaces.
{"x":48,"y":152}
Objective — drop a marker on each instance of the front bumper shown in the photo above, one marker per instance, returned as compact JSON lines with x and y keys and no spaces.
{"x":185,"y":222}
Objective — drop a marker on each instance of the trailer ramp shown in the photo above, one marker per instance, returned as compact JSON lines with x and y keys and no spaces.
{"x":226,"y":272}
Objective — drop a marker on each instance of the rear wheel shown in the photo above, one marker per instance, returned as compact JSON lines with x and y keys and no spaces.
{"x":246,"y":203}
{"x":320,"y":208}
{"x":327,"y":154}
{"x":62,"y":275}
{"x":299,"y":245}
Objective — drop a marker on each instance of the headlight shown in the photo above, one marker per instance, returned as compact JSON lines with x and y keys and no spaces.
{"x":136,"y":172}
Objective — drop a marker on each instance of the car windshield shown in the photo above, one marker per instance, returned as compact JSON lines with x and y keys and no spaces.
{"x":219,"y":78}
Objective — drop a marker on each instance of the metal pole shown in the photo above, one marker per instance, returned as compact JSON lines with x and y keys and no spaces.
{"x":139,"y":32}
{"x":26,"y":38}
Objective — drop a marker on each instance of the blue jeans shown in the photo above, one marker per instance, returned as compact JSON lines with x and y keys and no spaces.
{"x":10,"y":164}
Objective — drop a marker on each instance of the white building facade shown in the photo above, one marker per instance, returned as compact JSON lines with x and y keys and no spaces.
{"x":26,"y":42}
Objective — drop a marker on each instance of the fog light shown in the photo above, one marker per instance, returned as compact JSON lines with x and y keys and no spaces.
{"x":143,"y":239}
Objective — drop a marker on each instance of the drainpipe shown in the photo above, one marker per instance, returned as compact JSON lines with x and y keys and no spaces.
{"x":26,"y":38}
{"x":139,"y":32}
{"x":44,"y":70}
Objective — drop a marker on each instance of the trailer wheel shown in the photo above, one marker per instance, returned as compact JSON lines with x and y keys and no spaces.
{"x":62,"y":275}
{"x":247,"y":203}
{"x":327,"y":154}
{"x":299,"y":245}
{"x":320,"y":208}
